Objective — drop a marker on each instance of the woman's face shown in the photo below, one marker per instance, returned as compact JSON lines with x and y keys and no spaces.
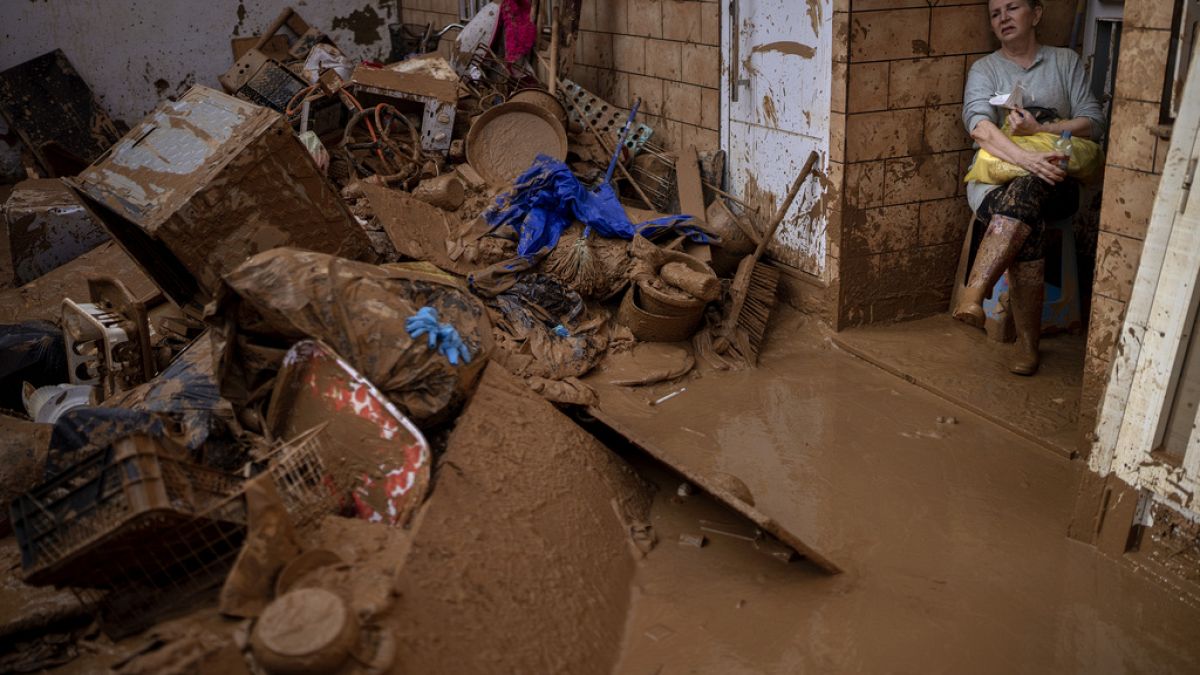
{"x":1013,"y":19}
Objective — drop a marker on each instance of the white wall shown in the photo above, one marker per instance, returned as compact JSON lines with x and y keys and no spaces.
{"x":133,"y":53}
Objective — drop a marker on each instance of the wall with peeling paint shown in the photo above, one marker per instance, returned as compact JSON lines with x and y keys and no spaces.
{"x":134,"y":53}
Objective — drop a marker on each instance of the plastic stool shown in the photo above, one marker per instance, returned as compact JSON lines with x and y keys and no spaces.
{"x":1061,"y":310}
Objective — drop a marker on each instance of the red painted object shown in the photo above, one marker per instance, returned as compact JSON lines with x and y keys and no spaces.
{"x":368,"y":446}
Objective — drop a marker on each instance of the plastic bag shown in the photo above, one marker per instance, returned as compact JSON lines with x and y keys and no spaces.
{"x":548,"y":198}
{"x":33,"y":352}
{"x":360,"y":310}
{"x":1086,"y":159}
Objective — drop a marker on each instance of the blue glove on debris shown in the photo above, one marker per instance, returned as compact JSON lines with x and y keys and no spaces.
{"x":441,"y":335}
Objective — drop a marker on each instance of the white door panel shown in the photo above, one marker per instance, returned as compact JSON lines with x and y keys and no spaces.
{"x":779,"y":70}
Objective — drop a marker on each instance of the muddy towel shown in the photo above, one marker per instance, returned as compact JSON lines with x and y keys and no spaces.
{"x":361,"y":311}
{"x":528,"y":317}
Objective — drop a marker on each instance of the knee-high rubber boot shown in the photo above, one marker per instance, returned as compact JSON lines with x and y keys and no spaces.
{"x":1026,"y":293}
{"x":996,"y":252}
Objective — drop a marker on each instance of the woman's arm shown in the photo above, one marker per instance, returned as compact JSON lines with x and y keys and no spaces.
{"x":1080,"y":127}
{"x":1086,"y":112}
{"x":1044,"y":165}
{"x":1021,"y":123}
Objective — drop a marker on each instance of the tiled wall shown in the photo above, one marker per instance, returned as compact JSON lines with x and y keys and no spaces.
{"x":437,"y":12}
{"x":665,"y":51}
{"x":904,"y":209}
{"x":1134,"y":164}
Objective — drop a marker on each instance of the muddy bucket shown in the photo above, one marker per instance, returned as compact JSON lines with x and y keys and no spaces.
{"x":650,"y":326}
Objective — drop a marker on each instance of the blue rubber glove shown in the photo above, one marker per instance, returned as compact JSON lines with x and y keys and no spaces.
{"x":441,"y":335}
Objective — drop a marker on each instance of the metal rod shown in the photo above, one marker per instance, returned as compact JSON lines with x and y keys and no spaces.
{"x":730,"y":197}
{"x":556,"y":7}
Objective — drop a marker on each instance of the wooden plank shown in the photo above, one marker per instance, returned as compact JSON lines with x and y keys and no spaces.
{"x":687,"y":177}
{"x":710,"y":485}
{"x":1181,"y":422}
{"x":1161,"y":359}
{"x":1167,"y":205}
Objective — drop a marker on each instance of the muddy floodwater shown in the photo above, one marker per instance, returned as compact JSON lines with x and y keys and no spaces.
{"x":952,"y":536}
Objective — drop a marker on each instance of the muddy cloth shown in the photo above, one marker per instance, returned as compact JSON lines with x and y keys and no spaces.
{"x":1034,"y":202}
{"x":32,"y":352}
{"x":187,"y":395}
{"x":519,"y":32}
{"x":543,"y":330}
{"x":360,"y":310}
{"x":547,"y":199}
{"x":83,"y":431}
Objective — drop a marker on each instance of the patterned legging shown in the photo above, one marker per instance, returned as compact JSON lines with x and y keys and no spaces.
{"x":1034,"y":202}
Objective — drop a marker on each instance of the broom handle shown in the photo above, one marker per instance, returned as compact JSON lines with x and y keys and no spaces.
{"x":787,"y":204}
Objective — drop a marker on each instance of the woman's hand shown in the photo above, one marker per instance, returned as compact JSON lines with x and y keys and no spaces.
{"x":1045,"y":165}
{"x":1022,"y":123}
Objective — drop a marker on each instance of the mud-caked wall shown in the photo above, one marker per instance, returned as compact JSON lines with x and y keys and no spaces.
{"x":904,"y":213}
{"x":134,"y":53}
{"x":1134,"y":164}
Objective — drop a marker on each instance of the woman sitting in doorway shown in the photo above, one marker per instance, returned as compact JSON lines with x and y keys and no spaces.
{"x":1058,"y":98}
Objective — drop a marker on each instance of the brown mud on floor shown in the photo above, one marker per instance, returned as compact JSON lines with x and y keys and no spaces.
{"x":959,"y":363}
{"x":952,"y":535}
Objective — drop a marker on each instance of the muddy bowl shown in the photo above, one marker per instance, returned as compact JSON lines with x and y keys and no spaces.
{"x":305,"y":631}
{"x":504,"y":141}
{"x":648,"y":326}
{"x":542,"y":99}
{"x":667,"y":303}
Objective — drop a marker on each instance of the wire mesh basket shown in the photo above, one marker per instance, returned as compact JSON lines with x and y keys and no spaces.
{"x":141,"y":534}
{"x":126,"y":502}
{"x":308,"y":488}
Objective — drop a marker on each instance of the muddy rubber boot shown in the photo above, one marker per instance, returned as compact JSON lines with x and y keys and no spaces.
{"x":1027,"y":291}
{"x":996,"y":252}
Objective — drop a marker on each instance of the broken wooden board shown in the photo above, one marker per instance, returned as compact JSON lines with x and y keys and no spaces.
{"x":54,"y":112}
{"x":687,"y":179}
{"x":713,"y":485}
{"x":41,"y":299}
{"x":418,"y":230}
{"x":521,"y":560}
{"x":668,"y":421}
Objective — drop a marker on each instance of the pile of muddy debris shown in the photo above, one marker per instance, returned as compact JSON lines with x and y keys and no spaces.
{"x":283,"y":358}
